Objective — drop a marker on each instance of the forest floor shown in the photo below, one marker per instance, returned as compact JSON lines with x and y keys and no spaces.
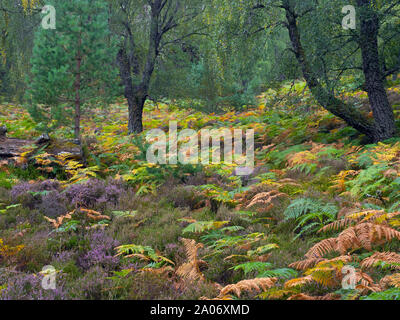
{"x":319,"y":202}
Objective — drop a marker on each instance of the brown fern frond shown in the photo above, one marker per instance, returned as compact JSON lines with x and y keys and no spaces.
{"x":298,"y":282}
{"x":191,"y":269}
{"x":257,"y":284}
{"x":224,"y":298}
{"x":276,"y":293}
{"x":389,"y":257}
{"x":160,"y":271}
{"x":138,"y":255}
{"x":349,"y":208}
{"x":310,"y":262}
{"x":364,"y":279}
{"x":390,"y":280}
{"x":305,"y":264}
{"x":348,"y":239}
{"x":60,"y":220}
{"x":376,"y":234}
{"x":383,"y":218}
{"x":344,"y":259}
{"x":191,"y":248}
{"x":374,"y":201}
{"x":363,"y":289}
{"x":363,"y":235}
{"x":338,"y":224}
{"x":266,"y":199}
{"x":303,"y":296}
{"x":94,"y":215}
{"x":322,"y":248}
{"x":288,"y":182}
{"x":301,"y":157}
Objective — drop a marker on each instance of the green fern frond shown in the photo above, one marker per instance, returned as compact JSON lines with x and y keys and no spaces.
{"x":302,"y":206}
{"x":252,"y":266}
{"x":284,"y":273}
{"x":391,"y":294}
{"x":202,"y":226}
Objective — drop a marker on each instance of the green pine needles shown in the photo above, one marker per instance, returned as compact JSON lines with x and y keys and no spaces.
{"x":73,"y":65}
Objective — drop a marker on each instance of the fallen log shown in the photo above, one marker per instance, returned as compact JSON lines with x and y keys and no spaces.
{"x":12,"y":148}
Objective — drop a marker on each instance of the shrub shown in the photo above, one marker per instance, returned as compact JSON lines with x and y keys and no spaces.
{"x":101,"y":252}
{"x":91,"y":286}
{"x":184,"y":197}
{"x":149,"y":286}
{"x":63,"y":257}
{"x":94,"y":192}
{"x":30,"y":194}
{"x":35,"y":254}
{"x":24,"y":286}
{"x":25,"y":187}
{"x":52,"y":204}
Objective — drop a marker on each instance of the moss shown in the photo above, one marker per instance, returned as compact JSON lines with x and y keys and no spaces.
{"x":57,"y":146}
{"x":71,"y":269}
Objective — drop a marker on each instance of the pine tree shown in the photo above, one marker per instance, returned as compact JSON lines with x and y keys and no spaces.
{"x":72,"y":65}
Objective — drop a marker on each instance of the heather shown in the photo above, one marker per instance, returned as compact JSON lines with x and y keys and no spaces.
{"x":122,"y":229}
